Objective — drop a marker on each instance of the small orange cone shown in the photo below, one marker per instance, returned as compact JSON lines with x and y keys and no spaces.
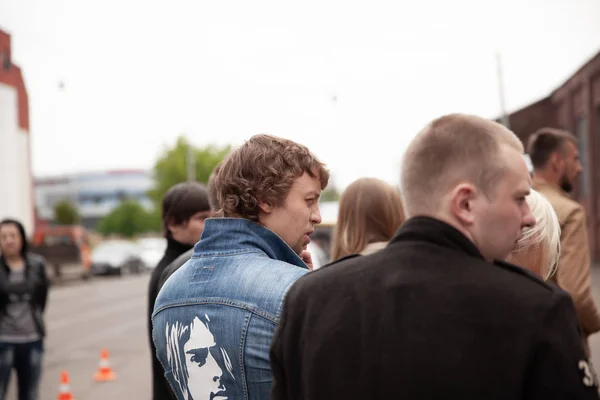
{"x":64,"y":391}
{"x":105,"y":372}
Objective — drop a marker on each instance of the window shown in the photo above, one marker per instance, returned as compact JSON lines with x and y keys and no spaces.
{"x":598,"y":131}
{"x":5,"y":60}
{"x":598,"y":121}
{"x":583,"y":155}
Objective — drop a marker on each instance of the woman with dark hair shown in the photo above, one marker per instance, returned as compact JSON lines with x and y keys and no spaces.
{"x":23,"y":293}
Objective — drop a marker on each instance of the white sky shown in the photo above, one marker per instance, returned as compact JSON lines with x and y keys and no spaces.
{"x":138,"y":73}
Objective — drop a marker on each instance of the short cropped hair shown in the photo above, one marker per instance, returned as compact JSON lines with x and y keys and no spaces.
{"x":181,"y":202}
{"x":546,"y":141}
{"x":541,"y":241}
{"x":451,"y":149}
{"x":263,"y":169}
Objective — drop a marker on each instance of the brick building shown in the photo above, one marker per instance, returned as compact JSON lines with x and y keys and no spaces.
{"x":574,"y":106}
{"x":16,"y":182}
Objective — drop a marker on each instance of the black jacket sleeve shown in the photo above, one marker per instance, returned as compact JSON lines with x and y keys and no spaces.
{"x":285,"y":363}
{"x":559,"y":368}
{"x":44,"y":285}
{"x":41,"y":283}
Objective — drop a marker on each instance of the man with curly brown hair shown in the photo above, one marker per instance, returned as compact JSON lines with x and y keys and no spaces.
{"x":215,"y":316}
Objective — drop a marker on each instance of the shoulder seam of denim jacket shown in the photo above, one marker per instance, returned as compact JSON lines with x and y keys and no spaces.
{"x":224,"y":302}
{"x":243,"y":353}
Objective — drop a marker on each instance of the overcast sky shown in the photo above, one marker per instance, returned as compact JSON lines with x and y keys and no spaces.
{"x":139,"y":73}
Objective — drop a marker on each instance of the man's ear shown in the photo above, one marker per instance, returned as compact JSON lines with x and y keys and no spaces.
{"x":462,"y":201}
{"x":265,"y":207}
{"x":555,"y":160}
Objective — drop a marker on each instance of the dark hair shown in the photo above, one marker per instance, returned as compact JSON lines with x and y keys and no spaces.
{"x":263,"y":170}
{"x":21,"y":229}
{"x":181,"y":202}
{"x":546,"y":141}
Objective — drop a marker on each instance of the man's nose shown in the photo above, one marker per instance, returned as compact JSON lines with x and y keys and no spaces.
{"x":316,"y":216}
{"x":528,"y":220}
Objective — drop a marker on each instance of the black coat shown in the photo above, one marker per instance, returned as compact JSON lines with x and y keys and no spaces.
{"x":36,"y":285}
{"x":428,"y":318}
{"x":174,"y":266}
{"x":160,"y":385}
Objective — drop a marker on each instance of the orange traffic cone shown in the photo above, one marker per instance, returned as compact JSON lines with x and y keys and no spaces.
{"x":105,"y":372}
{"x":64,"y":391}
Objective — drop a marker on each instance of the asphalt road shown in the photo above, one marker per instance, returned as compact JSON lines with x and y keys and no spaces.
{"x":84,"y":317}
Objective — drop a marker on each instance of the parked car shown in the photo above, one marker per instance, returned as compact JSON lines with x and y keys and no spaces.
{"x":151,"y":250}
{"x":116,"y":257}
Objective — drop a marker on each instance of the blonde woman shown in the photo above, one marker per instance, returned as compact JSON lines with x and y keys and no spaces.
{"x":370,"y":212}
{"x":539,"y":248}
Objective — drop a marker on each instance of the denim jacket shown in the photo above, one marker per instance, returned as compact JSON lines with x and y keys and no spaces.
{"x":214,"y":318}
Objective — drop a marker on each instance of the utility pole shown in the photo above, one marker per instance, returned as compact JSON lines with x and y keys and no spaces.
{"x":190,"y":163}
{"x":505,"y":120}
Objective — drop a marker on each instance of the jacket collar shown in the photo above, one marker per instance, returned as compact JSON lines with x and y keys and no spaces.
{"x":540,"y":183}
{"x":175,"y":248}
{"x":433,"y":230}
{"x":238,"y":235}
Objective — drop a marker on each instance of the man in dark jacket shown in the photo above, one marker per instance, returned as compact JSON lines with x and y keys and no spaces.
{"x":183,"y":258}
{"x":433,"y":315}
{"x":184,"y":209}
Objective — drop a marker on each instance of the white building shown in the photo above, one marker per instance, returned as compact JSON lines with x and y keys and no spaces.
{"x":95,"y":194}
{"x":16,"y":182}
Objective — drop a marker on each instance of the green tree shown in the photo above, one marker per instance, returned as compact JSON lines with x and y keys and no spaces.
{"x":128,"y":219}
{"x":171,"y":166}
{"x":330,"y":193}
{"x":65,"y":213}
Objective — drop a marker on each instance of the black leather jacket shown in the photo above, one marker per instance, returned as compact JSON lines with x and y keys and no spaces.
{"x":36,"y":285}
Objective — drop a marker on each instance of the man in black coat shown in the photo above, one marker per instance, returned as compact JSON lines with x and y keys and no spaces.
{"x":185,"y":206}
{"x":433,"y":315}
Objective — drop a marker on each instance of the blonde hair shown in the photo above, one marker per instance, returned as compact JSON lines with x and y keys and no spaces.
{"x":451,"y":149}
{"x":370,"y":211}
{"x":541,"y":242}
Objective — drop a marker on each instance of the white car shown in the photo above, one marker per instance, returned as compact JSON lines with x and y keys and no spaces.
{"x":116,"y":257}
{"x":151,"y":250}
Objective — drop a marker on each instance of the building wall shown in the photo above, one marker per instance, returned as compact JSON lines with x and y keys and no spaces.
{"x":528,"y":120}
{"x":574,"y":106}
{"x":15,"y":167}
{"x":94,"y":194}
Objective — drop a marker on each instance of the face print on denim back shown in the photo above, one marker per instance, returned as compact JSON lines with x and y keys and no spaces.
{"x":200,"y":367}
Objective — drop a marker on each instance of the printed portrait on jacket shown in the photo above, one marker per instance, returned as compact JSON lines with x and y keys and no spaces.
{"x":200,"y":367}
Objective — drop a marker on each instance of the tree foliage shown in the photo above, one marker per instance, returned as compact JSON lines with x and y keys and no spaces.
{"x":171,"y":166}
{"x":330,"y":193}
{"x":129,"y":219}
{"x":65,"y":213}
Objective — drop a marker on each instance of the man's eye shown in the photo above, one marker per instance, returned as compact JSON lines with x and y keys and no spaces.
{"x":199,"y":356}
